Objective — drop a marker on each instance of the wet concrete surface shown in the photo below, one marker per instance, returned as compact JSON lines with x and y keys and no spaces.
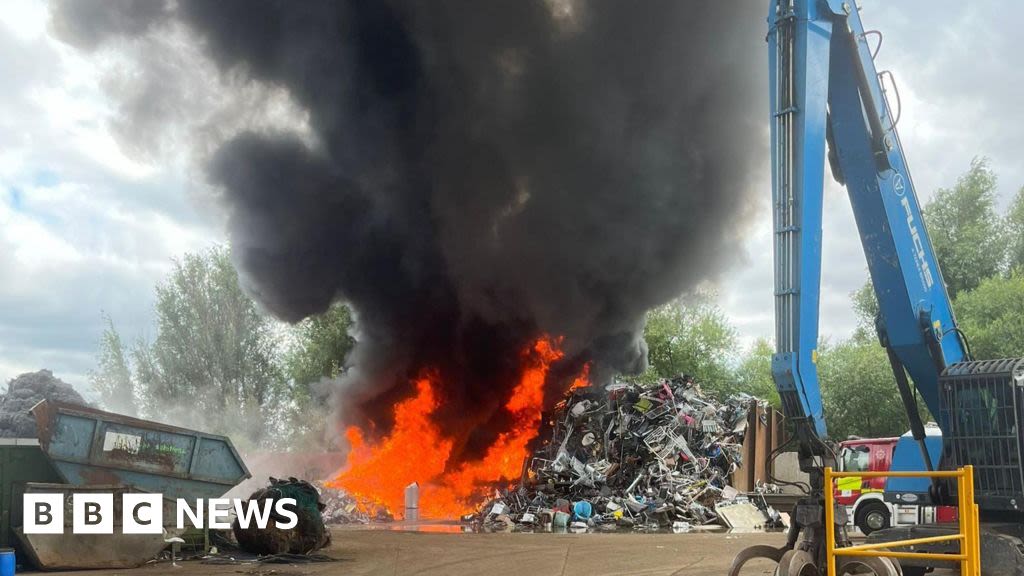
{"x":428,"y":553}
{"x":399,"y":553}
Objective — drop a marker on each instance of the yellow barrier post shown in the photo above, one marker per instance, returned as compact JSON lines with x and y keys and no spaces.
{"x":966,"y":567}
{"x":830,"y":524}
{"x":975,"y":525}
{"x":969,"y":556}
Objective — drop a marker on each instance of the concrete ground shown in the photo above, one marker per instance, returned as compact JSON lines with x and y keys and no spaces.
{"x":397,"y":553}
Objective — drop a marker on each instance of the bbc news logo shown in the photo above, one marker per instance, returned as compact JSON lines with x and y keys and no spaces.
{"x":93,"y":513}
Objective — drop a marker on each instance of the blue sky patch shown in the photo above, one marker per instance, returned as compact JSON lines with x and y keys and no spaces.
{"x":15,"y":195}
{"x":45,"y":178}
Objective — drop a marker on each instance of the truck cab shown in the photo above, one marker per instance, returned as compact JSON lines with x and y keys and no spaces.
{"x":863,"y":498}
{"x":876,"y":503}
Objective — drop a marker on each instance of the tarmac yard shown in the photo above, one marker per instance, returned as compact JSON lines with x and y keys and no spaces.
{"x":395,"y":553}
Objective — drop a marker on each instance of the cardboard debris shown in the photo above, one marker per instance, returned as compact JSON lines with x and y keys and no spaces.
{"x":741,"y":515}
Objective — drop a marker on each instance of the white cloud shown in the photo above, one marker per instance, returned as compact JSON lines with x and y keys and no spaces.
{"x":25,"y":19}
{"x":959,"y":84}
{"x":83,"y":227}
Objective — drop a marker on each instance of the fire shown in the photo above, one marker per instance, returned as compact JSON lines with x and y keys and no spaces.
{"x":416,"y":450}
{"x":583,"y":380}
{"x":378,"y":473}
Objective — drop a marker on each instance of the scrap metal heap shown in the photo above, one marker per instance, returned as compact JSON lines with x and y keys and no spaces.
{"x":647,"y":457}
{"x":342,"y":508}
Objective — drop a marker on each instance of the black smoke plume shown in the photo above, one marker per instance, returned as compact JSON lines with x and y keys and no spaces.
{"x":479,"y":173}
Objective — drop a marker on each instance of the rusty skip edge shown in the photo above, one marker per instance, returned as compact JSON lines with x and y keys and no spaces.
{"x":46,"y":413}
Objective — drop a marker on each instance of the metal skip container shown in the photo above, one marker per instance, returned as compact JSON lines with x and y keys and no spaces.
{"x":89,"y":446}
{"x":91,"y":450}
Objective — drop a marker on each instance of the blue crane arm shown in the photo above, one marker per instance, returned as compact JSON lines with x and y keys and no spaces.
{"x":827,"y":100}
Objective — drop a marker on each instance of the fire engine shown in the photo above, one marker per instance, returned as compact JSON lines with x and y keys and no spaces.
{"x":874,"y":503}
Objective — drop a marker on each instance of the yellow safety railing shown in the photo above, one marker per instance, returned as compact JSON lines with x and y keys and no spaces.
{"x":969,"y":555}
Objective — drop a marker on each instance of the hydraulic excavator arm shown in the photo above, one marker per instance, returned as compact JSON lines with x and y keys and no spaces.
{"x":828,"y":104}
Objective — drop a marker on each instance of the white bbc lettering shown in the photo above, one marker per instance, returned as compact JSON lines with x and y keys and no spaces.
{"x":92,"y":513}
{"x":195,"y":516}
{"x":218,"y":508}
{"x":42,"y":514}
{"x":142,"y":513}
{"x":285,"y":507}
{"x":249,"y":510}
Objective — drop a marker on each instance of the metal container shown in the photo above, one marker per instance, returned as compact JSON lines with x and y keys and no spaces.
{"x":69,"y":551}
{"x":412,"y":501}
{"x":21,"y":461}
{"x":82,"y":449}
{"x":88,"y":446}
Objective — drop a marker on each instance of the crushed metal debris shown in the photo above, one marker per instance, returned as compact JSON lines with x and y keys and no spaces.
{"x":630,"y":456}
{"x":339,"y":507}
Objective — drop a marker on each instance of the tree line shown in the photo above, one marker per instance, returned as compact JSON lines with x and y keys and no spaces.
{"x":981,"y":254}
{"x":218,"y":363}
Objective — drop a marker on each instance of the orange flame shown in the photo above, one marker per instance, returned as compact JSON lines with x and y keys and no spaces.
{"x":416,"y":450}
{"x":583,"y":380}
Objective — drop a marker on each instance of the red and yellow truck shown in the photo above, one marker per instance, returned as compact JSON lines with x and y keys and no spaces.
{"x":876,"y":503}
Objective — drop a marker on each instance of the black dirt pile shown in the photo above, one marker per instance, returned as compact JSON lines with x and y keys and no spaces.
{"x":26,"y":391}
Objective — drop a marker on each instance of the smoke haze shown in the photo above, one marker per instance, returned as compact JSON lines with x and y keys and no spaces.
{"x":467,"y":175}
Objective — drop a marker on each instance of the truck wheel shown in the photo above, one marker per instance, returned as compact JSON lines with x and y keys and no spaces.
{"x":872,"y":516}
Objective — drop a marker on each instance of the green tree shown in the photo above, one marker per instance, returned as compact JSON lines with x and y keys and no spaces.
{"x":693,"y":338}
{"x":865,"y":305}
{"x":112,"y":378}
{"x":859,"y":391}
{"x":212,"y":364}
{"x":321,"y":344}
{"x":1015,"y":231}
{"x":966,"y":232}
{"x":992,"y":316}
{"x":754,"y":373}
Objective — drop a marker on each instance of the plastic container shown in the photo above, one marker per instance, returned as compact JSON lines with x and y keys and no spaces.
{"x":583,"y":510}
{"x":7,"y":562}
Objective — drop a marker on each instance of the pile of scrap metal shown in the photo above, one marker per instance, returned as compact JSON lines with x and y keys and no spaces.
{"x":308,"y":535}
{"x":341,"y":508}
{"x":644,"y":457}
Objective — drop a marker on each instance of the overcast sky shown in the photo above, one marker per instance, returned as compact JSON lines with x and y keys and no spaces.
{"x":86,"y":230}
